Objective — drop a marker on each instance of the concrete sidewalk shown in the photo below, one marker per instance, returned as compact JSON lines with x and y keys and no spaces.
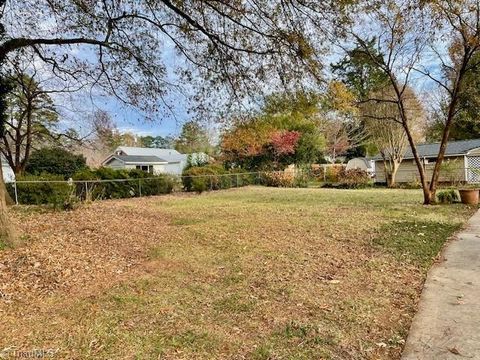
{"x":447,"y":325}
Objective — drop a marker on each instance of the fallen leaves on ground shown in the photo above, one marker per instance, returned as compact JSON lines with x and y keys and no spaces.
{"x":246,"y":273}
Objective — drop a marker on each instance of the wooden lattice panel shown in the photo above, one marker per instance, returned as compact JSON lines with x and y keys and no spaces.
{"x":473,"y":170}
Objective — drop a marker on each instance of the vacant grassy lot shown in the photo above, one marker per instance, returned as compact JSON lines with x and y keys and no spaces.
{"x":252,"y":273}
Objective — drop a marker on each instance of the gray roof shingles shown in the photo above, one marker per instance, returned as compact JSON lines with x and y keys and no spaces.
{"x":431,"y":150}
{"x":139,"y":159}
{"x":170,"y":155}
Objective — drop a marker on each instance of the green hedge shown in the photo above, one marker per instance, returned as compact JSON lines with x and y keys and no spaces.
{"x":43,"y":192}
{"x":63,"y":194}
{"x":137,"y":183}
{"x":214,"y":177}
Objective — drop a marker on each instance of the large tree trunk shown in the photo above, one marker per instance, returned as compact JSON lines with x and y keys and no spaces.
{"x":8,"y":235}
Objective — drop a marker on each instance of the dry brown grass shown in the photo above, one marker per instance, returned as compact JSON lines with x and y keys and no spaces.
{"x":256,"y":273}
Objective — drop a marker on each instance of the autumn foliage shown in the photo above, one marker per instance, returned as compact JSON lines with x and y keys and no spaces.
{"x":258,"y":145}
{"x":284,"y":142}
{"x":287,"y":131}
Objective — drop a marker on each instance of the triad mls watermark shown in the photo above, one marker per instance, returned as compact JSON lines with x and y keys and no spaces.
{"x":14,"y":353}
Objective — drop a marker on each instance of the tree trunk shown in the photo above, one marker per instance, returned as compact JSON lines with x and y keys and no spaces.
{"x":8,"y":235}
{"x":427,"y":194}
{"x":428,"y":197}
{"x":391,"y":182}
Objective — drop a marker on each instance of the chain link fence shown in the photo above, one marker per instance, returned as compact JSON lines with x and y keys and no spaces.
{"x":61,"y":192}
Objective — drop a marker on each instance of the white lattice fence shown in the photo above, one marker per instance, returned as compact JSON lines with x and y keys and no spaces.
{"x":473,"y":171}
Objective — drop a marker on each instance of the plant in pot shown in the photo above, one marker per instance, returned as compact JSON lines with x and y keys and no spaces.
{"x":469,"y":195}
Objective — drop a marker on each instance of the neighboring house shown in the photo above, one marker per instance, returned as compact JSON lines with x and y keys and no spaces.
{"x":461,"y":164}
{"x":8,"y":174}
{"x":152,"y":160}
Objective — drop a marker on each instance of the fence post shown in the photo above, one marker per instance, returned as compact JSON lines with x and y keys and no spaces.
{"x":86,"y":191}
{"x":238,"y":177}
{"x":16,"y":191}
{"x":140,"y":187}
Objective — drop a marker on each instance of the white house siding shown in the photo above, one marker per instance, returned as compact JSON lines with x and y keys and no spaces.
{"x":176,"y":161}
{"x":158,"y":169}
{"x":117,"y":164}
{"x":408,"y":171}
{"x":174,"y":168}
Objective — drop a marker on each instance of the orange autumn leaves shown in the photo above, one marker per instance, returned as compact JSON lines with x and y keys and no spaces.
{"x":259,"y":139}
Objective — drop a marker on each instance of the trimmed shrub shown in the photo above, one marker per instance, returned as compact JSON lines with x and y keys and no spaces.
{"x":44,"y":192}
{"x":198,"y":185}
{"x":214,"y":177}
{"x":153,"y":184}
{"x":333,"y":173}
{"x":123,"y":184}
{"x":354,"y":179}
{"x":449,"y":196}
{"x":278,"y":179}
{"x":302,"y":179}
{"x":286,"y":179}
{"x":201,"y":178}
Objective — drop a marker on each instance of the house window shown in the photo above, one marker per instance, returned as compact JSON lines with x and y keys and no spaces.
{"x":146,"y":168}
{"x":429,"y":160}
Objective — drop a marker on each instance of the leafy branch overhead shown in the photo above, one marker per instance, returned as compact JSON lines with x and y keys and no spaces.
{"x":120,"y":46}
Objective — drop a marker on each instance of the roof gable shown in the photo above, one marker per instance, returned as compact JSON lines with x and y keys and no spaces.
{"x":170,"y":155}
{"x":134,"y":159}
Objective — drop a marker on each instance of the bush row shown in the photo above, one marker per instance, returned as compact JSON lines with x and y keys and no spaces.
{"x":48,"y":188}
{"x":285,"y":179}
{"x":215,"y":177}
{"x":137,"y":183}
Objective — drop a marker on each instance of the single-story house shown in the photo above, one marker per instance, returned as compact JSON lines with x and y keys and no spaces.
{"x":8,"y":174}
{"x":152,"y":160}
{"x":461,"y":163}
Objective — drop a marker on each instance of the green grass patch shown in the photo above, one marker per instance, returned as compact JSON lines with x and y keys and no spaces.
{"x":232,"y":303}
{"x":3,"y":245}
{"x":418,"y":242}
{"x":186,"y":221}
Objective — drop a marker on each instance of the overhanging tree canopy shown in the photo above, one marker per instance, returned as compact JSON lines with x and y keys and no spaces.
{"x":117,"y":46}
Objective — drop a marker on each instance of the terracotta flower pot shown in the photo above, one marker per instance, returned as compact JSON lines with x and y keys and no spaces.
{"x":469,"y":196}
